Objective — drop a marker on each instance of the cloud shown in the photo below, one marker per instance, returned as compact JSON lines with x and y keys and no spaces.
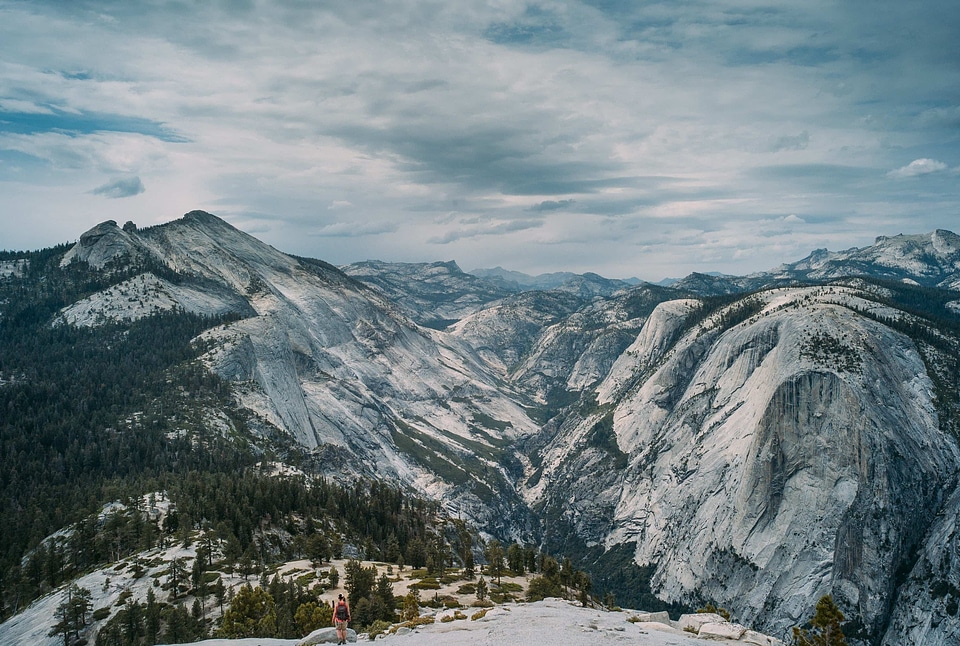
{"x":123,"y":187}
{"x":354,"y":229}
{"x":918,"y":167}
{"x":482,"y":229}
{"x":502,"y":130}
{"x":552,"y":205}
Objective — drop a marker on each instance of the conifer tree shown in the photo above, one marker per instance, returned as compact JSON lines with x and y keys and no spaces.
{"x":152,"y":618}
{"x":71,"y":614}
{"x":310,"y":616}
{"x":251,"y":614}
{"x":494,"y":555}
{"x":481,"y":589}
{"x":825,"y":627}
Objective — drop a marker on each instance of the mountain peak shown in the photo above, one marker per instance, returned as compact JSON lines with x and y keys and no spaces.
{"x":202,"y":216}
{"x":101,"y":244}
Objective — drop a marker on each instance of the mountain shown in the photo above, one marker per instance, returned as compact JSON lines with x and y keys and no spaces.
{"x":931,"y":260}
{"x":586,"y":285}
{"x":432,"y":294}
{"x":320,"y":358}
{"x":783,"y":447}
{"x":754,"y":442}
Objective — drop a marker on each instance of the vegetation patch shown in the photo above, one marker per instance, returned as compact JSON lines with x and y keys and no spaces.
{"x":830,"y":352}
{"x":603,"y":437}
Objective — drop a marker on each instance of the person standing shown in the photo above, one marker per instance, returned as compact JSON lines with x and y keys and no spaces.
{"x":341,"y":615}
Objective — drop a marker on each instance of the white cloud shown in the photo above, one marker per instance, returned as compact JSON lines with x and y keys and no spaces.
{"x":353,"y":229}
{"x":919,"y":167}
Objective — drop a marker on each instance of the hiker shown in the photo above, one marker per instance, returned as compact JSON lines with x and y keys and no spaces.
{"x":341,"y":615}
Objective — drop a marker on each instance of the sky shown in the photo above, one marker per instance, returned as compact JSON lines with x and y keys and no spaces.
{"x":626,"y":138}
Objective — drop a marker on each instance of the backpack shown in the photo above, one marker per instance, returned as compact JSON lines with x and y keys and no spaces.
{"x":342,"y":612}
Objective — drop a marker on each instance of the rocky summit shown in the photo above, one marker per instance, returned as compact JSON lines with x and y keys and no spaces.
{"x":753,"y":442}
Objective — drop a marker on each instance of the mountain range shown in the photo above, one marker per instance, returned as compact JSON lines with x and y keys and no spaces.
{"x":753,"y":442}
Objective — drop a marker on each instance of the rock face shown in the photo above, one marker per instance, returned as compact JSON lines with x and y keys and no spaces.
{"x":324,"y":360}
{"x":927,"y":610}
{"x":764,"y":460}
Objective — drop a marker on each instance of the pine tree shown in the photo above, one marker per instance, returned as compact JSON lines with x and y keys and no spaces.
{"x":251,"y":614}
{"x":152,"y":618}
{"x":494,"y":555}
{"x":71,"y":614}
{"x":481,"y":589}
{"x":384,"y":592}
{"x":515,"y":560}
{"x":825,"y":626}
{"x":175,"y":576}
{"x":310,"y":616}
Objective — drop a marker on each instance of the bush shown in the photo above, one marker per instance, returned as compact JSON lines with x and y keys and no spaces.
{"x":413,"y":623}
{"x":542,"y":587}
{"x":378,"y":627}
{"x":712,"y":609}
{"x":411,"y":606}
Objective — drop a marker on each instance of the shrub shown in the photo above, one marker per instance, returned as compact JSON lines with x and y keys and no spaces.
{"x":413,"y":623}
{"x":378,"y":627}
{"x":411,"y":606}
{"x":712,"y":609}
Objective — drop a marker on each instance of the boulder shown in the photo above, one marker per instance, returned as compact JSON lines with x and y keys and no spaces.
{"x":722,"y":630}
{"x":759,"y":639}
{"x":662,"y":617}
{"x":326,"y":635}
{"x":691,"y":623}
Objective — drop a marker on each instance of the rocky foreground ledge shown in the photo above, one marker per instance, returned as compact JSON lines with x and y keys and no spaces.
{"x":553,"y":621}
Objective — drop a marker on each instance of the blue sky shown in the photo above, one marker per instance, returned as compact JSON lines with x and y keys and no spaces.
{"x":624,"y":138}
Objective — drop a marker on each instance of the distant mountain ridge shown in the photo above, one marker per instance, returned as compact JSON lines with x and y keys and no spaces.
{"x":753,"y":442}
{"x":588,"y":283}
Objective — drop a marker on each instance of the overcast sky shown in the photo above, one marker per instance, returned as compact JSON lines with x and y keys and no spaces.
{"x":625,"y":138}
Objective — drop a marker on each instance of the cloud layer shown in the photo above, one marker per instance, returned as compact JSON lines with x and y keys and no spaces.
{"x":629,"y":139}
